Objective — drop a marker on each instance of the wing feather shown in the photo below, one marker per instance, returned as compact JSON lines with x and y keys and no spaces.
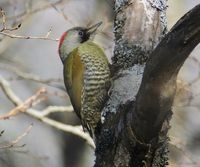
{"x":73,"y":77}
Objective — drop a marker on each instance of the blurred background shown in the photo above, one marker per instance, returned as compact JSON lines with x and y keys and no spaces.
{"x":29,"y":64}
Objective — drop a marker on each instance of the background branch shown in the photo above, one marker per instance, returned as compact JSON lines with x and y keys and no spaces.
{"x":30,"y":102}
{"x":132,"y":134}
{"x":29,"y":76}
{"x":21,"y":15}
{"x":4,"y":31}
{"x":75,"y":130}
{"x":13,"y":143}
{"x":45,"y":37}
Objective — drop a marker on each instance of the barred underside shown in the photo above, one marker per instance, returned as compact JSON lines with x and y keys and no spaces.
{"x":95,"y":84}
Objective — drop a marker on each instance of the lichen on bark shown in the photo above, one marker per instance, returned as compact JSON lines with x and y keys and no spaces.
{"x":138,"y":27}
{"x":146,"y":62}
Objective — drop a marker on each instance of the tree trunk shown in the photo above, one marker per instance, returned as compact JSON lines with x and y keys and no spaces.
{"x":145,"y":65}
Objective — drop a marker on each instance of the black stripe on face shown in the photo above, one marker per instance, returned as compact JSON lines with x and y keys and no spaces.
{"x":84,"y":36}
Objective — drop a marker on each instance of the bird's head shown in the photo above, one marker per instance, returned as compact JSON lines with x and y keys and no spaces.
{"x":73,"y":37}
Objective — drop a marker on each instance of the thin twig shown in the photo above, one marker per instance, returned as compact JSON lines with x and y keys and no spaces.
{"x":28,"y":76}
{"x":75,"y":130}
{"x":45,"y":37}
{"x":31,"y":101}
{"x":41,"y":8}
{"x":3,"y":19}
{"x":4,"y":30}
{"x":58,"y":11}
{"x":18,"y":139}
{"x":4,"y":23}
{"x":53,"y":82}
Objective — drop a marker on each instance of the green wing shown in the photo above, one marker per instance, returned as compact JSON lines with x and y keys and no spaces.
{"x":73,"y":78}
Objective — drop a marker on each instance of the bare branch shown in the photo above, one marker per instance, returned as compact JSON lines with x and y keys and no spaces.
{"x":29,"y":76}
{"x":29,"y":12}
{"x":4,"y":29}
{"x":4,"y":22}
{"x":31,"y":101}
{"x":45,"y":37}
{"x":17,"y":140}
{"x":9,"y":93}
{"x":54,"y":109}
{"x":53,"y":5}
{"x":33,"y":77}
{"x":75,"y":130}
{"x":3,"y":19}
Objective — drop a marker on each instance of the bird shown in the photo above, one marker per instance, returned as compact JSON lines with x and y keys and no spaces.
{"x":86,"y":74}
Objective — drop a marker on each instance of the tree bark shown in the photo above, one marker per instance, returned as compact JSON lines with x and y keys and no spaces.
{"x":146,"y":61}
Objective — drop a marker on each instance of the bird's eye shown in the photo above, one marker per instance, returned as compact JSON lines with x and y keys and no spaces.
{"x":80,"y":33}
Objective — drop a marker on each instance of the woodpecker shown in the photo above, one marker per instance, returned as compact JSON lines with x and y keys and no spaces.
{"x":86,"y":74}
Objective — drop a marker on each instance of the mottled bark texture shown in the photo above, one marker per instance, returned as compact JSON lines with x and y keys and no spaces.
{"x":146,"y":62}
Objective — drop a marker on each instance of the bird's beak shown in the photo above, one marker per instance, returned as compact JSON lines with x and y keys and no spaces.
{"x":91,"y":30}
